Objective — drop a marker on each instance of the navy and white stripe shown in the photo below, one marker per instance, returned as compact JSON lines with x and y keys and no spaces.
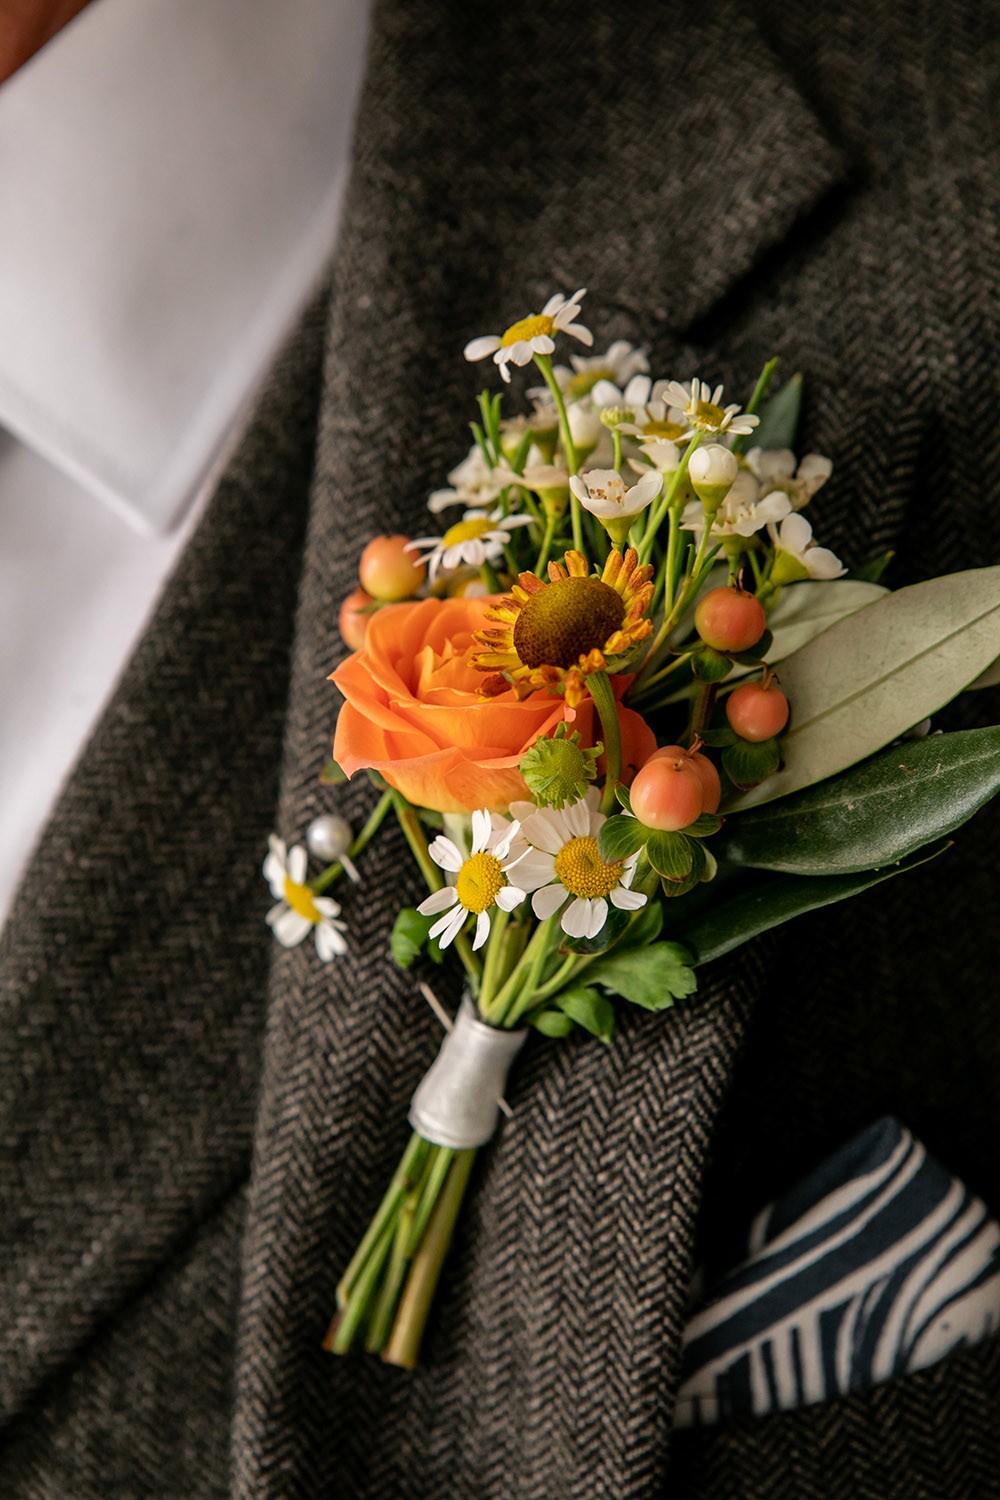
{"x":878,"y":1264}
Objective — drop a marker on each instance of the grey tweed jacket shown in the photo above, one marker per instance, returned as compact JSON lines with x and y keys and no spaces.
{"x":195,"y":1128}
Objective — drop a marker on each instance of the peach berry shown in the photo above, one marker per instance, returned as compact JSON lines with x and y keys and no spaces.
{"x":667,"y":794}
{"x":703,"y":768}
{"x":352,"y":622}
{"x":757,"y":711}
{"x":388,"y":572}
{"x":730,"y":619}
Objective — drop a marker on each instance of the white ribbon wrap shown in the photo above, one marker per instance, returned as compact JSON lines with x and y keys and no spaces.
{"x":457,"y":1102}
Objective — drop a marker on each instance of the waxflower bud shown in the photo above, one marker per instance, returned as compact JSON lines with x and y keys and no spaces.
{"x":712,"y":470}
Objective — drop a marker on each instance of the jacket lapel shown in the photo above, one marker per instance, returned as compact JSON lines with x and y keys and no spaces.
{"x":487,"y":175}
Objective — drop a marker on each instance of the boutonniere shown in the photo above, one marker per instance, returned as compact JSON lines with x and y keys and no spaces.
{"x":621,"y":665}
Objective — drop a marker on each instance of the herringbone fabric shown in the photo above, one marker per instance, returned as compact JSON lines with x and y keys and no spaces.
{"x":729,"y":185}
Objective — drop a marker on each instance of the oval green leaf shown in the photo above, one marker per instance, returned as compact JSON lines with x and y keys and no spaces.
{"x":871,"y":677}
{"x":875,"y":814}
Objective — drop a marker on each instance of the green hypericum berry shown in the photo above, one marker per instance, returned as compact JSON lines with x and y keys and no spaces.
{"x":558,"y":770}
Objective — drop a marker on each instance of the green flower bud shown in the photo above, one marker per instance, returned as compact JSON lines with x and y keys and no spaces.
{"x":558,"y":769}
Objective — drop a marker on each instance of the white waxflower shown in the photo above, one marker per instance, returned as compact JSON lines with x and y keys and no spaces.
{"x":776,"y":470}
{"x":699,"y":407}
{"x":481,"y":879}
{"x":604,"y":493}
{"x":298,"y":911}
{"x":565,"y":862}
{"x":472,"y":483}
{"x":474,"y":540}
{"x":798,"y":556}
{"x":743,"y":511}
{"x":532,"y":335}
{"x":713,"y":465}
{"x":664,"y":455}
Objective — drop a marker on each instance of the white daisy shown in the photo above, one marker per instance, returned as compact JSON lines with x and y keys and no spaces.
{"x":699,"y":406}
{"x":298,"y":911}
{"x":472,"y":483}
{"x":663,"y":454}
{"x":481,"y":879}
{"x":532,"y":335}
{"x":742,"y":512}
{"x":470,"y":542}
{"x":618,"y":364}
{"x":776,"y":470}
{"x":798,"y":556}
{"x":565,"y":862}
{"x":604,"y":493}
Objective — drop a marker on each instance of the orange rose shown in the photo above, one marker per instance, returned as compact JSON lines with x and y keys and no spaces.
{"x":414,"y":714}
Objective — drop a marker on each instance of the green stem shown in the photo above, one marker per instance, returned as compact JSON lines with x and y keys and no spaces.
{"x":656,"y":517}
{"x":604,"y":697}
{"x":530,"y":984}
{"x":494,"y":949}
{"x":403,"y":1180}
{"x":505,"y":998}
{"x":616,"y":438}
{"x":703,"y":705}
{"x":403,"y":1347}
{"x":550,"y":531}
{"x":678,"y":607}
{"x":342,"y":1335}
{"x":410,"y":823}
{"x":759,"y":392}
{"x":329,"y":875}
{"x":544,"y":364}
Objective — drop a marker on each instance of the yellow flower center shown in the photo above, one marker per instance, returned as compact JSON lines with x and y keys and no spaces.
{"x":671,"y":431}
{"x":300,"y":899}
{"x":583,"y":382}
{"x":527,"y":329}
{"x":708,"y":415}
{"x":583,"y":872}
{"x":565,"y":620}
{"x":466,"y":531}
{"x":479,"y":881}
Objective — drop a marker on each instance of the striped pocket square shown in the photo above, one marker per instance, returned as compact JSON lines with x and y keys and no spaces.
{"x":878,"y":1264}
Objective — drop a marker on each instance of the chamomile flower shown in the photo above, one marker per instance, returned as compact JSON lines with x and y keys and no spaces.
{"x":618,"y":364}
{"x":554,"y":635}
{"x":700,"y":409}
{"x":797,"y":556}
{"x":298,"y":912}
{"x":474,"y":540}
{"x":776,"y":469}
{"x":743,"y":512}
{"x":480,"y":879}
{"x":564,"y":865}
{"x":532,"y":335}
{"x":471,"y":483}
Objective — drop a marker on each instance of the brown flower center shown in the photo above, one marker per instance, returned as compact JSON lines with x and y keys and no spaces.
{"x":565,"y":620}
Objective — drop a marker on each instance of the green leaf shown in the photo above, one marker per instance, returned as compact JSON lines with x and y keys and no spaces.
{"x":874,"y":568}
{"x":709,"y":665}
{"x":755,"y":654}
{"x":696,"y":874}
{"x":670,"y":854}
{"x":552,"y":1023}
{"x":871,"y":677}
{"x":619,"y":837}
{"x":331,"y":774}
{"x":989,"y":678}
{"x":589,"y":1009}
{"x":653,"y":977}
{"x":646,"y":925}
{"x":409,"y":938}
{"x":804,"y":610}
{"x":875,"y":814}
{"x":622,"y":793}
{"x":779,"y":421}
{"x":774,"y":899}
{"x":746,"y":764}
{"x":704,"y":827}
{"x":615,"y":926}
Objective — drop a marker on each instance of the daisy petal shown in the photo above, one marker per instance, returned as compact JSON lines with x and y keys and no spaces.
{"x":290,"y":928}
{"x":446,"y":854}
{"x":297,"y":863}
{"x":481,"y":347}
{"x":482,"y":930}
{"x":438,"y":901}
{"x":627,"y":900}
{"x":546,"y":902}
{"x":578,"y":917}
{"x":509,"y":897}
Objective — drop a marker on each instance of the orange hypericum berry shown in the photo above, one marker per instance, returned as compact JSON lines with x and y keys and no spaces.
{"x":388,"y":572}
{"x":730,"y":619}
{"x":757,"y":710}
{"x":703,"y":768}
{"x":352,"y":623}
{"x":667,"y":793}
